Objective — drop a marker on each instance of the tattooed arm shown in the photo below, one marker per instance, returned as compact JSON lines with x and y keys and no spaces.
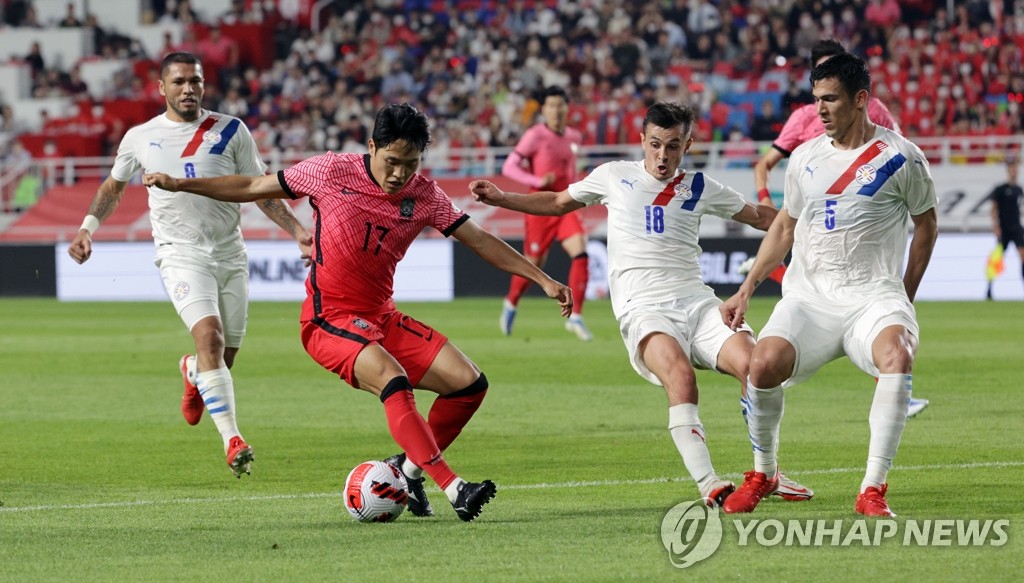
{"x":282,"y":215}
{"x":103,"y":204}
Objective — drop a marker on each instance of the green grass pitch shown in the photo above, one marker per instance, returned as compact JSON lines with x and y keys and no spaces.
{"x":101,"y":479}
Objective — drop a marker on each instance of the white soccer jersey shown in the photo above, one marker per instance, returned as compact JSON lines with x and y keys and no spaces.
{"x":852,"y":209}
{"x":653,"y":227}
{"x":213,"y":145}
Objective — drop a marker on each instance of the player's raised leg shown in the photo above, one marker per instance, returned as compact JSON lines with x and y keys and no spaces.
{"x":665,"y":358}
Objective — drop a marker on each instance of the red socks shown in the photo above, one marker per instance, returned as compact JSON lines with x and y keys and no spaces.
{"x":412,"y":433}
{"x":449,"y":414}
{"x":517,"y":288}
{"x":579,"y":275}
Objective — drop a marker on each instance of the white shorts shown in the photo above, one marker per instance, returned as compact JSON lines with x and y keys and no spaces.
{"x":200,"y":288}
{"x":694,"y":322}
{"x":822,"y":333}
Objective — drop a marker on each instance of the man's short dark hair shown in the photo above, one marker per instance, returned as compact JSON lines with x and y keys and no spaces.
{"x":552,"y":91}
{"x":850,"y":70}
{"x":401,"y":121}
{"x":825,"y":47}
{"x":178,"y":57}
{"x":669,"y":115}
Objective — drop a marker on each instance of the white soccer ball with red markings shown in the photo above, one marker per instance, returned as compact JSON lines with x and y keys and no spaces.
{"x":375,"y":492}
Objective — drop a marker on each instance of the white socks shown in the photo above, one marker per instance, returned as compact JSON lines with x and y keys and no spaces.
{"x":452,"y":491}
{"x":764,"y":413}
{"x":688,"y":435}
{"x":218,"y":392}
{"x":412,"y":470}
{"x":887,"y":419}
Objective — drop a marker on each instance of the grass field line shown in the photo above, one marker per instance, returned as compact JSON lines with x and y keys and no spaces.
{"x":543,"y":485}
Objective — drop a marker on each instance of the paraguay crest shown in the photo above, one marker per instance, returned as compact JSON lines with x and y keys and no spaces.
{"x":683,"y":191}
{"x":406,"y":208}
{"x":866,"y":174}
{"x":181,"y":290}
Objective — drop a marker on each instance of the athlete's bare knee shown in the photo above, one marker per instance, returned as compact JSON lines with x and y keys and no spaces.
{"x":893,"y":350}
{"x":770,"y":365}
{"x":734,"y":359}
{"x":681,"y":391}
{"x":209,"y":339}
{"x":895,"y":358}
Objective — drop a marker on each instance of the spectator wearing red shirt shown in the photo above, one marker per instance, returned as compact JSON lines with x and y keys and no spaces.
{"x":882,"y":13}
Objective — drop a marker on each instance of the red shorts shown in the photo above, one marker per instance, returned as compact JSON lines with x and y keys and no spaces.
{"x":335,"y":342}
{"x":542,"y":231}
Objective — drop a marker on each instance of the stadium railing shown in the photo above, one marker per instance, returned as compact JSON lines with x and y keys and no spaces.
{"x":444,"y":162}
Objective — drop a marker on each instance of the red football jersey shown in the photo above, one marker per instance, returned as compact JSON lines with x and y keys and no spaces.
{"x":360,"y":232}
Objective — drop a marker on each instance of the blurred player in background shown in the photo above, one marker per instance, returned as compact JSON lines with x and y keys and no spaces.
{"x":668,"y":317}
{"x":368,"y":210}
{"x":545,"y":159}
{"x":1006,"y":199}
{"x":850,"y":196}
{"x":200,"y":251}
{"x":803,"y":125}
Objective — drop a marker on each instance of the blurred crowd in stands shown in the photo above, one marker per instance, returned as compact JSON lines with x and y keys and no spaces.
{"x":474,"y":65}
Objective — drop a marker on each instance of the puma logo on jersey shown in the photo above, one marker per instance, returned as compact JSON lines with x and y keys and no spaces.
{"x":628,"y":183}
{"x":157,"y":144}
{"x":810,"y":170}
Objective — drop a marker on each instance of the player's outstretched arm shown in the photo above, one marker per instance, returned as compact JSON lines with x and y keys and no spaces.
{"x":926,"y":230}
{"x":772,"y":251}
{"x":103,"y":204}
{"x":538,"y":203}
{"x":759,"y":216}
{"x":499,"y":254}
{"x":232,"y":188}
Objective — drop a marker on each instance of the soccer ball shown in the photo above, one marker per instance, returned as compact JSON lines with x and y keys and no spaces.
{"x":375,"y":492}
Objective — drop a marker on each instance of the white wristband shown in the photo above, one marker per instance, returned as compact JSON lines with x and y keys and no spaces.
{"x":91,"y":223}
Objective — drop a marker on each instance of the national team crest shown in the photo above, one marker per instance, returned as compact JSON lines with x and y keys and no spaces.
{"x":181,"y":290}
{"x":866,"y":174}
{"x":212,"y":137}
{"x":406,"y":208}
{"x":361,"y":324}
{"x":683,"y":191}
